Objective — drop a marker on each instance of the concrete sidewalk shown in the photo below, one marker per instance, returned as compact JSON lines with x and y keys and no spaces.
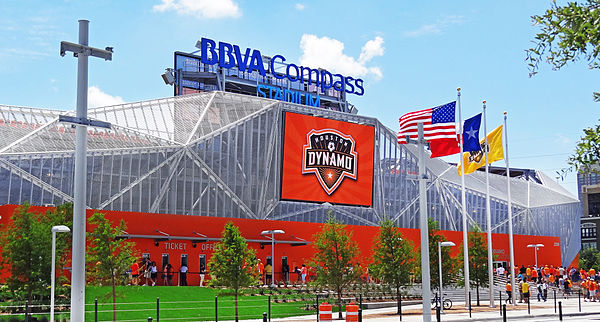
{"x":539,"y":311}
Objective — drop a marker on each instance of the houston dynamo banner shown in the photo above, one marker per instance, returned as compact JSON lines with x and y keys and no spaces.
{"x":327,"y":161}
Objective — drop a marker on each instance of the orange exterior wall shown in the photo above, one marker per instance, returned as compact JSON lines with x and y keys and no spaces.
{"x":181,"y":225}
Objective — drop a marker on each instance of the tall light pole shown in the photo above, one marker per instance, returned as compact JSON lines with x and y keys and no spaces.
{"x":272,"y":233}
{"x":81,"y":51}
{"x":535,"y":246}
{"x":440,"y":245}
{"x":55,"y":229}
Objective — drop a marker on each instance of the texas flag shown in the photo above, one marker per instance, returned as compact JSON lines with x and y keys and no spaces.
{"x":444,"y":147}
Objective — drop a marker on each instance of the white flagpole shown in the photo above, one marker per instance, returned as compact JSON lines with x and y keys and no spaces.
{"x":488,"y":214}
{"x":464,"y":206}
{"x":425,"y":275}
{"x":510,"y":223}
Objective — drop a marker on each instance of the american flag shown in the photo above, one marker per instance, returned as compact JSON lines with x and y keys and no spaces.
{"x":438,"y":123}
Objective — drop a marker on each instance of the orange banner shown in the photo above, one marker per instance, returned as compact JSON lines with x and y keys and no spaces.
{"x":327,"y":161}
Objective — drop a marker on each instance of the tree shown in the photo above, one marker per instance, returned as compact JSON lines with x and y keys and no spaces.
{"x":26,"y":248}
{"x":108,"y":257}
{"x":449,"y":264}
{"x":478,"y":259}
{"x":569,"y":33}
{"x":336,"y":257}
{"x":394,"y":259}
{"x":589,"y":258}
{"x":233,"y":264}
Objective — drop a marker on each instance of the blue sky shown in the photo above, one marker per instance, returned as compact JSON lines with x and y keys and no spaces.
{"x":414,"y":55}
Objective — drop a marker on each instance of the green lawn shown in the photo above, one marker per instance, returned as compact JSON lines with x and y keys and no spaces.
{"x":184,"y":304}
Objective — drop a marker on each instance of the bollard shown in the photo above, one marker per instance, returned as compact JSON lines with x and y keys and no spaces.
{"x":95,"y":310}
{"x":528,"y":306}
{"x":216,"y":310}
{"x":264,"y":316}
{"x":500,"y":306}
{"x":360,"y":303}
{"x":504,"y":312}
{"x":441,"y":303}
{"x":579,"y":295}
{"x":317,"y":307}
{"x":157,"y":310}
{"x":360,"y":314}
{"x":438,"y":314}
{"x":269,"y":309}
{"x":560,"y":310}
{"x":400,"y":306}
{"x":27,"y":311}
{"x":149,"y":319}
{"x":554,"y":301}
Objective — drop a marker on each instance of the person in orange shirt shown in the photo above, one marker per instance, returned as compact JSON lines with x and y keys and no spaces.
{"x":584,"y":286}
{"x":592,"y":273}
{"x":592,"y":287}
{"x":508,"y":292}
{"x":534,"y":275}
{"x":551,"y":279}
{"x":546,"y":271}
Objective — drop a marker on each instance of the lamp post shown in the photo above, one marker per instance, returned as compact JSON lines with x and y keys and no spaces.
{"x":55,"y":229}
{"x":272,"y":233}
{"x":535,"y":247}
{"x":440,"y":245}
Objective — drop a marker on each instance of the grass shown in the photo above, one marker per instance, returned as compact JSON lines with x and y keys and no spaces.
{"x":182,"y":304}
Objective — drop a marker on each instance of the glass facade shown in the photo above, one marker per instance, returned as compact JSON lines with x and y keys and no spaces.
{"x":219,"y":154}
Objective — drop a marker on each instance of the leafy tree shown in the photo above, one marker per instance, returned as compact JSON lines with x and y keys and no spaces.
{"x":108,"y":256}
{"x":570,"y":33}
{"x":233,"y":264}
{"x":449,"y":264}
{"x":478,"y":259}
{"x":589,"y":258}
{"x":336,"y":257}
{"x":26,"y":248}
{"x":394,"y":259}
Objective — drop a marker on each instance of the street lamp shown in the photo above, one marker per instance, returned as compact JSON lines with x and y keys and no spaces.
{"x":535,"y":246}
{"x":55,"y":229}
{"x":272,"y":233}
{"x":440,"y":245}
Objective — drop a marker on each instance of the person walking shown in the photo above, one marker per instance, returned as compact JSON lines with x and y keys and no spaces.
{"x":135,"y":272}
{"x":153,"y":273}
{"x":303,"y":272}
{"x":202,"y":272}
{"x":508,"y":292}
{"x":525,"y":290}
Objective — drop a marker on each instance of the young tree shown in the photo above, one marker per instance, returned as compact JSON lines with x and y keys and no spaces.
{"x":589,"y":258}
{"x":336,"y":257}
{"x":449,"y":264}
{"x":26,"y":247}
{"x":108,"y":257}
{"x":394,"y":259}
{"x":233,"y":264}
{"x":478,"y":259}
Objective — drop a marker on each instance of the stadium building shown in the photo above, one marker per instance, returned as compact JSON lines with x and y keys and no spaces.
{"x":283,"y":164}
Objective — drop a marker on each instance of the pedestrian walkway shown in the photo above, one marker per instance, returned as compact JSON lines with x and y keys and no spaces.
{"x":540,"y":311}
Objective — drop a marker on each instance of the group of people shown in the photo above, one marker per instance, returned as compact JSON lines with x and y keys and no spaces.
{"x":145,"y":273}
{"x":558,"y":278}
{"x":265,"y":273}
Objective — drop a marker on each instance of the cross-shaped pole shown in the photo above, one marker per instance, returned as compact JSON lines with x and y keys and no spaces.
{"x":81,"y":51}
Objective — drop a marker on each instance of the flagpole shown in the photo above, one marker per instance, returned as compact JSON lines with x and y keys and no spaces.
{"x":425,"y":275}
{"x":488,"y":214}
{"x":464,"y":206}
{"x":510,"y":223}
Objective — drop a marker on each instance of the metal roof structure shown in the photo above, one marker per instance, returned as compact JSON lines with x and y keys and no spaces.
{"x":219,"y":154}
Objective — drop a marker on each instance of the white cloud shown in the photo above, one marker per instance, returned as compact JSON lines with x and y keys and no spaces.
{"x":561,"y":139}
{"x":210,"y":9}
{"x":435,"y":28}
{"x":329,"y":54}
{"x":299,"y":6}
{"x":97,"y":98}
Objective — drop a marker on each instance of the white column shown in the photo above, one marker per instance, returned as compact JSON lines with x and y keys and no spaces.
{"x":425,"y":275}
{"x":488,"y":213}
{"x":510,"y":223}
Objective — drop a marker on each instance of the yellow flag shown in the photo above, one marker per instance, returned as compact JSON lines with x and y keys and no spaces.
{"x":476,"y":160}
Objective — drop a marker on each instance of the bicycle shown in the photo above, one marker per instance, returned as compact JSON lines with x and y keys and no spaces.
{"x":435,"y":301}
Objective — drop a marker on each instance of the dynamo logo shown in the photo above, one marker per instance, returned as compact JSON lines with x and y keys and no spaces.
{"x":331,"y":156}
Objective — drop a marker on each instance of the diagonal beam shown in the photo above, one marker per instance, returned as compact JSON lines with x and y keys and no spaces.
{"x":137,"y":181}
{"x":200,"y":118}
{"x":33,"y":179}
{"x":29,"y":135}
{"x":220,"y":183}
{"x":166,"y":183}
